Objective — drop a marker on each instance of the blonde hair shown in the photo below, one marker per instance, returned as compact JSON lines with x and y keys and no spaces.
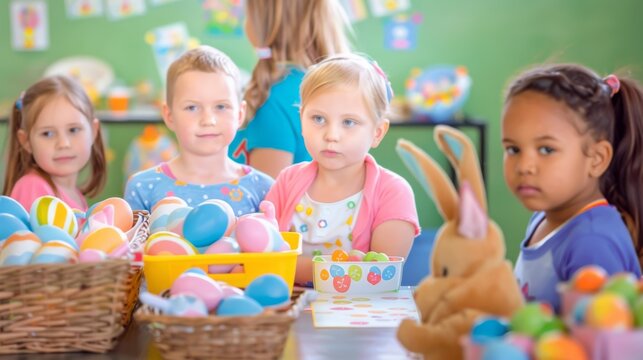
{"x":206,"y":59}
{"x":351,"y":70}
{"x":297,"y":32}
{"x":23,"y":117}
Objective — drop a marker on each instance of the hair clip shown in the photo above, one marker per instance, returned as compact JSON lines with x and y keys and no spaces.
{"x":263,"y":52}
{"x":389,"y":89}
{"x":19,"y":101}
{"x":613,"y":82}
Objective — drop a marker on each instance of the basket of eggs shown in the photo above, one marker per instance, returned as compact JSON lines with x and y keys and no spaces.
{"x":67,"y":282}
{"x":199,"y":317}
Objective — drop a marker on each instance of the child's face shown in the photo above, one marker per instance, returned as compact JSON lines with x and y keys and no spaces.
{"x":545,"y":165}
{"x":338,"y":128}
{"x":61,"y":138}
{"x":205,"y":112}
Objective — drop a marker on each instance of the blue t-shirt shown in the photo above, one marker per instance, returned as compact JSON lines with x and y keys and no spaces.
{"x":276,"y":124}
{"x":144,"y":189}
{"x":597,"y":236}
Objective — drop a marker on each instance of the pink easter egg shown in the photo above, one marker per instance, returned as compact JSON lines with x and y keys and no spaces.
{"x":168,"y":243}
{"x":106,"y":239}
{"x":122,"y":212}
{"x":256,"y":235}
{"x":91,"y":255}
{"x":200,"y":285}
{"x":19,"y":248}
{"x":172,"y":201}
{"x":266,"y":212}
{"x":162,"y":210}
{"x":225,"y":245}
{"x":229,"y":290}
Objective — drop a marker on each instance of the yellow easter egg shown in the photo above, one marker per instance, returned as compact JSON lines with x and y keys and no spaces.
{"x":49,"y":210}
{"x":106,"y":239}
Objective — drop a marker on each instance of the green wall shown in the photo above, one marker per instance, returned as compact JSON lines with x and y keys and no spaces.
{"x":494,"y":38}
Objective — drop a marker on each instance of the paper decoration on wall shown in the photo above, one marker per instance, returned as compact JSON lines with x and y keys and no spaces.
{"x":119,"y":9}
{"x":223,"y":17}
{"x":83,"y":8}
{"x":94,"y":74}
{"x":29,"y":25}
{"x":363,"y":311}
{"x":355,"y":9}
{"x":161,"y":2}
{"x":168,"y":43}
{"x":388,"y":7}
{"x":149,"y":149}
{"x":400,"y":32}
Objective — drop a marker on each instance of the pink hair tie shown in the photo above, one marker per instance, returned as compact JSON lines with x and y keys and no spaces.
{"x":264,"y":52}
{"x":613,"y":82}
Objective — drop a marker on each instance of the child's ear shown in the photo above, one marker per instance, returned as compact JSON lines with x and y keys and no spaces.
{"x":23,"y":139}
{"x":242,"y":112}
{"x":95,"y":125}
{"x":380,"y":131}
{"x":167,"y":116}
{"x":601,"y":154}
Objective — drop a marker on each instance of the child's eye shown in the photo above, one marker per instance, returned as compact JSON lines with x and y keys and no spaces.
{"x":221,"y":107}
{"x":75,"y":129}
{"x":511,"y":150}
{"x":191,"y":108}
{"x":545,"y":150}
{"x":47,"y":134}
{"x":349,"y":122}
{"x":318,"y":119}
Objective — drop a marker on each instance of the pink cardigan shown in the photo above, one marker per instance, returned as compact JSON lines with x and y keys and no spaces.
{"x":386,"y":196}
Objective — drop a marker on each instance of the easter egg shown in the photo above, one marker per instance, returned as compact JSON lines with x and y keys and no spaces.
{"x":170,"y":201}
{"x":9,"y":224}
{"x":49,"y":210}
{"x":123,"y":215}
{"x":48,"y":233}
{"x":162,"y":210}
{"x":199,"y":284}
{"x":19,"y":248}
{"x":609,"y":311}
{"x":239,"y":305}
{"x":638,"y":312}
{"x":339,"y":255}
{"x":10,"y":206}
{"x":388,"y":273}
{"x":503,"y":350}
{"x":623,"y":284}
{"x":268,"y":290}
{"x":225,"y":245}
{"x":589,"y":279}
{"x":531,"y":318}
{"x":168,"y":243}
{"x":229,"y":290}
{"x":55,"y":252}
{"x":336,"y":270}
{"x":186,"y":306}
{"x":91,"y":255}
{"x":580,"y":310}
{"x":324,"y":274}
{"x":207,"y":223}
{"x":106,"y":239}
{"x":341,"y":284}
{"x":488,"y":328}
{"x":319,"y":258}
{"x":355,"y":255}
{"x":176,"y":219}
{"x":557,"y":346}
{"x":267,"y":212}
{"x":522,"y":342}
{"x":257,"y":235}
{"x":355,"y":272}
{"x":229,"y":211}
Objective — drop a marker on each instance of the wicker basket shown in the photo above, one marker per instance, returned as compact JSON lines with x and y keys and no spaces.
{"x":215,"y":337}
{"x":68,"y":307}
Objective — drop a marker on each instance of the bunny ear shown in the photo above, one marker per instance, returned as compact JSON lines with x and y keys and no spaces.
{"x":460,"y":151}
{"x":431,"y":176}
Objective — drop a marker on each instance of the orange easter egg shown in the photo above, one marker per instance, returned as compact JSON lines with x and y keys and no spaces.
{"x":589,"y":279}
{"x":609,"y":311}
{"x":556,"y":346}
{"x":106,"y":239}
{"x":123,"y":215}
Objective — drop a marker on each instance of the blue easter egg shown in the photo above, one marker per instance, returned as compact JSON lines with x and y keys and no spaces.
{"x":500,"y":350}
{"x":186,"y":306}
{"x":10,"y":206}
{"x":268,"y":290}
{"x":239,"y":305}
{"x":195,"y":271}
{"x":488,"y":328}
{"x":205,"y":224}
{"x":375,"y":270}
{"x":9,"y":224}
{"x":388,"y":273}
{"x":580,"y":309}
{"x":49,"y":232}
{"x":336,"y":270}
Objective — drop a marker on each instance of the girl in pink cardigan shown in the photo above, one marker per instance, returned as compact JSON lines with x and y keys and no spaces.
{"x":343,"y":199}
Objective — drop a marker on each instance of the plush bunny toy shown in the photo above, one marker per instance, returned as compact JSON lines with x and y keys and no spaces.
{"x":469,"y":274}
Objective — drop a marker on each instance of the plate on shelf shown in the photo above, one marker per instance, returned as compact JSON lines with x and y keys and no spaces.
{"x":94,"y":74}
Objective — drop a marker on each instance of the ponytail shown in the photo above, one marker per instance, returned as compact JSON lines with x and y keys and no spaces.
{"x":622,"y":184}
{"x":19,"y":160}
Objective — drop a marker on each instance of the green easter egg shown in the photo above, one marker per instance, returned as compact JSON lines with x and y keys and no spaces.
{"x":355,"y":272}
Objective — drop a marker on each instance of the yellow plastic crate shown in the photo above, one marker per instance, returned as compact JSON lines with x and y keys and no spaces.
{"x":161,"y":270}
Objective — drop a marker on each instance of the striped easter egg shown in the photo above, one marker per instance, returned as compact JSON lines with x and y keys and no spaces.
{"x":19,"y":248}
{"x":106,"y":239}
{"x":122,"y":211}
{"x":168,"y":243}
{"x":49,"y":210}
{"x":257,"y":235}
{"x":55,"y":252}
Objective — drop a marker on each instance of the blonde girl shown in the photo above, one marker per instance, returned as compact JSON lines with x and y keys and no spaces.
{"x":53,"y":136}
{"x":343,"y":199}
{"x":290,"y":36}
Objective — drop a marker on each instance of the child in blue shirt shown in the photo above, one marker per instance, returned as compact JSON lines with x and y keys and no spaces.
{"x":568,"y":135}
{"x":204,"y":109}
